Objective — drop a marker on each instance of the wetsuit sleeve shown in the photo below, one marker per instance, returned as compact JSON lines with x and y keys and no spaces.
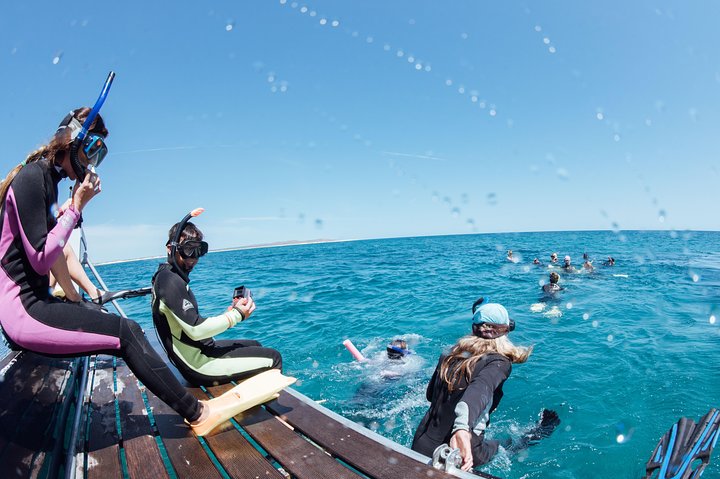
{"x":431,"y":384}
{"x":473,"y":410}
{"x":175,"y":303}
{"x":27,"y":202}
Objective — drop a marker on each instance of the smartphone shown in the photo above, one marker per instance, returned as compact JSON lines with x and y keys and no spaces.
{"x":242,"y":292}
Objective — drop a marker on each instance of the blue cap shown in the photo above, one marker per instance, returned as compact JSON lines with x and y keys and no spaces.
{"x":493,"y":313}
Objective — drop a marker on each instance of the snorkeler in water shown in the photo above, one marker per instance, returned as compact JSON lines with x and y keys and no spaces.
{"x":398,"y":349}
{"x":567,"y":265}
{"x":552,"y":287}
{"x":610,"y":261}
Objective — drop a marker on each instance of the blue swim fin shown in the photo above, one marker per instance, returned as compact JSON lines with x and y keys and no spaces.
{"x":684,"y":451}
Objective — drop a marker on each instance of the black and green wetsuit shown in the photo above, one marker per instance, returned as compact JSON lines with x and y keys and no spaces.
{"x":188,"y":337}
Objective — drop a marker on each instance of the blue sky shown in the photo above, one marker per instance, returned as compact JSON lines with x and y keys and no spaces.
{"x":340,"y":120}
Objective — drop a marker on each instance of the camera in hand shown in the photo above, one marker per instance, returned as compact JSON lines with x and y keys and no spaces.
{"x":242,"y":292}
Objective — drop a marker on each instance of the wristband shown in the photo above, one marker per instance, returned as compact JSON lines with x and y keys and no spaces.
{"x":242,"y":316}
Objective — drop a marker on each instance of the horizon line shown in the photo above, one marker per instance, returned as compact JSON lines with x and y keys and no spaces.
{"x":278,"y":244}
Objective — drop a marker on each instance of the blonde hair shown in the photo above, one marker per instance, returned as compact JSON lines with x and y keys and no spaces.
{"x":465,"y":354}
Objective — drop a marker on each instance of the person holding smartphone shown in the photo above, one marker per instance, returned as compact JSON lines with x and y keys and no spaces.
{"x":188,"y":337}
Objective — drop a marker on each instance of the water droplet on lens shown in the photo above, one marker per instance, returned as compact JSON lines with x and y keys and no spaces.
{"x":546,"y":41}
{"x":335,"y":23}
{"x":712,"y":319}
{"x":610,"y":338}
{"x":538,"y":28}
{"x":492,"y":199}
{"x":315,"y":364}
{"x":455,"y":212}
{"x":318,"y":223}
{"x":661,"y":216}
{"x":552,"y":50}
{"x":620,"y":438}
{"x":599,"y":116}
{"x":586,"y":316}
{"x":56,"y":59}
{"x":303,"y":9}
{"x":595,"y":324}
{"x":563,"y":174}
{"x":323,"y":21}
{"x":400,"y":53}
{"x":229,"y":26}
{"x":569,"y":306}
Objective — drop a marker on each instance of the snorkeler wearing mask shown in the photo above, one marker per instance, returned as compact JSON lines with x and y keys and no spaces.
{"x":186,"y":335}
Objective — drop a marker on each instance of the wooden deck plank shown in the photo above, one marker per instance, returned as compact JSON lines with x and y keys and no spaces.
{"x":297,"y":456}
{"x":103,"y":449}
{"x":31,"y":393}
{"x":186,"y":454}
{"x":142,"y":454}
{"x":362,"y":452}
{"x":239,"y":458}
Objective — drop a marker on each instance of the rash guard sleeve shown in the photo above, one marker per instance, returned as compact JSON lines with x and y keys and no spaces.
{"x":43,"y":239}
{"x":178,"y":304}
{"x":473,"y":411}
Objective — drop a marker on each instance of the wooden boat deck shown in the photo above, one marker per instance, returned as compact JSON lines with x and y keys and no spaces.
{"x":126,"y":432}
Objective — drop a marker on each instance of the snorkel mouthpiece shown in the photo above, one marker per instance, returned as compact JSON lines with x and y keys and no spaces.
{"x":79,"y":169}
{"x":176,"y":240}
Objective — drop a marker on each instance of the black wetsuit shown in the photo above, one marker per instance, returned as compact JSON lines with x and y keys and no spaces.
{"x":31,"y":240}
{"x":188,"y":337}
{"x":552,"y":288}
{"x":481,"y":397}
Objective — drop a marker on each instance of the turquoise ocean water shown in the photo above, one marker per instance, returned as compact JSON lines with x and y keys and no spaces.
{"x":621,"y":355}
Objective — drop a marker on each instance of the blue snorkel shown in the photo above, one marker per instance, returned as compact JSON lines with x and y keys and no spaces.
{"x":79,"y":169}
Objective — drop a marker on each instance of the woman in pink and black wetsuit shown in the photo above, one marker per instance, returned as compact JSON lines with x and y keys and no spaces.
{"x":31,"y":245}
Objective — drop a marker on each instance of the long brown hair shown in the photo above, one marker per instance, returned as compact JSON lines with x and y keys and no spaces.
{"x":56,"y":148}
{"x":465,"y":354}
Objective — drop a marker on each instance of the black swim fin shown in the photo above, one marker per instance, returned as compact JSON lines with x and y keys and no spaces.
{"x":684,"y":451}
{"x":549,"y":420}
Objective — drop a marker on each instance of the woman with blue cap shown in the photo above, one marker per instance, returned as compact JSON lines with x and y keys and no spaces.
{"x":467,"y":387}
